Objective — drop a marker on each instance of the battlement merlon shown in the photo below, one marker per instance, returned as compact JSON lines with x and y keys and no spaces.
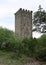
{"x":24,"y":10}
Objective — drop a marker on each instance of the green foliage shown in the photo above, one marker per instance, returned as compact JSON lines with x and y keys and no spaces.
{"x":6,"y":37}
{"x":41,"y":48}
{"x":31,"y":47}
{"x":39,"y":16}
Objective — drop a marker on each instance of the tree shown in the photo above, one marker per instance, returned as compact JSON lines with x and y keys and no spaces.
{"x":39,"y":16}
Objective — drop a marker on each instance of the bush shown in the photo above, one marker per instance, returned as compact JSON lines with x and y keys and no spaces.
{"x":6,"y":38}
{"x":31,"y":47}
{"x":41,"y":55}
{"x":41,"y":48}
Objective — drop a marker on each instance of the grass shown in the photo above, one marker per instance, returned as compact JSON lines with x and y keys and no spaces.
{"x":11,"y":58}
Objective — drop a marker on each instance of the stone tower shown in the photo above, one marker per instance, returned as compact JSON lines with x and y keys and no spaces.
{"x":23,"y":23}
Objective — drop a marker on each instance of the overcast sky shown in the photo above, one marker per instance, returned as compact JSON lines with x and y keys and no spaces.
{"x":9,"y":7}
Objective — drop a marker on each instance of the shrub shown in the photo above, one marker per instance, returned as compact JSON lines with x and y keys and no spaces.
{"x":41,"y":48}
{"x":31,"y":47}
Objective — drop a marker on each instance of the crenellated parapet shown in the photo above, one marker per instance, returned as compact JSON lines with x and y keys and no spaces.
{"x":25,"y":10}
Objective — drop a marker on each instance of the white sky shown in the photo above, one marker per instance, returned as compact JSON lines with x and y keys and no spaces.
{"x":9,"y":7}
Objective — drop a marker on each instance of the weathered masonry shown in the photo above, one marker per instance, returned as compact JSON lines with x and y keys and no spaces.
{"x":23,"y":23}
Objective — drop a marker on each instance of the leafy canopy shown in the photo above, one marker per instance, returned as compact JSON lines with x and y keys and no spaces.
{"x":39,"y":16}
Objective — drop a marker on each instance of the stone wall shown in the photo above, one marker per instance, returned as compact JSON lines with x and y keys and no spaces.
{"x":23,"y":23}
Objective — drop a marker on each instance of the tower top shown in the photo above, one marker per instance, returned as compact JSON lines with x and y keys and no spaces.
{"x":24,"y":10}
